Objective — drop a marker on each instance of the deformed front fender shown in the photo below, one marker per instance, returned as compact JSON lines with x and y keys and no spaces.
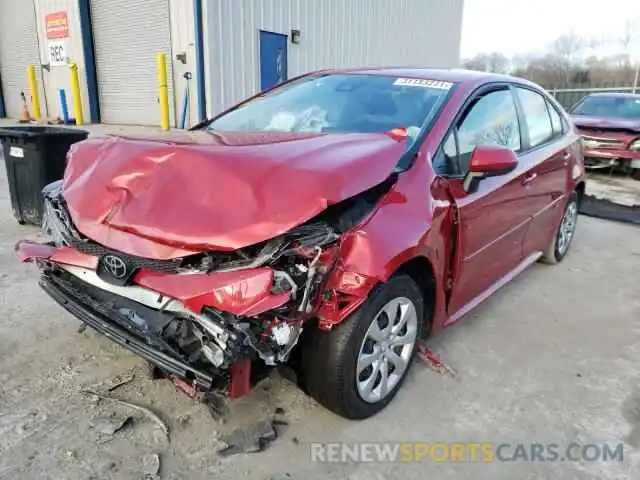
{"x":348,"y":288}
{"x":396,"y":233}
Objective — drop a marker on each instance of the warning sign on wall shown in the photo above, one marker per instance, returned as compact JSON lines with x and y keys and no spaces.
{"x":56,"y":25}
{"x":58,"y":53}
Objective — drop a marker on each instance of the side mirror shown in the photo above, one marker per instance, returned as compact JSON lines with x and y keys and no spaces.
{"x":488,"y":161}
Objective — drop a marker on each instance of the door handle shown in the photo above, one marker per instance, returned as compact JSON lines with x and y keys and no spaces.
{"x":529,"y":178}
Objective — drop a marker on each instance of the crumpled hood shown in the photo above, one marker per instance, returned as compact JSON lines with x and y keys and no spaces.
{"x":607,"y":123}
{"x":170,"y":195}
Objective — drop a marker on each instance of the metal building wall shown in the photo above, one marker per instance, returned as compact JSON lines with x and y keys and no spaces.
{"x":127,"y":38}
{"x":334,"y":33}
{"x":23,"y":41}
{"x":18,"y":47}
{"x":183,"y":42}
{"x":58,"y":77}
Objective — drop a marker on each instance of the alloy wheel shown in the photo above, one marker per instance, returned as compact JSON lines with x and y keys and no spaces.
{"x":567,"y":227}
{"x":386,"y":350}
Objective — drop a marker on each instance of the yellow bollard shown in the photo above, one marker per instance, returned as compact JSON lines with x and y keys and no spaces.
{"x":35,"y":93}
{"x":75,"y":93}
{"x":164,"y":91}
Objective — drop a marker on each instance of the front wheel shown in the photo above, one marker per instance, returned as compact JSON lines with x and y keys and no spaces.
{"x":357,"y":368}
{"x":565,"y":232}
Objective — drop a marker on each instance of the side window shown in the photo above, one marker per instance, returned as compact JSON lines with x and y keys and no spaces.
{"x":556,"y":121}
{"x":492,"y":120}
{"x":445,"y":161}
{"x":536,"y":116}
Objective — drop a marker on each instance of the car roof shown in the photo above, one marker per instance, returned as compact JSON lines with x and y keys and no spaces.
{"x":453,"y":75}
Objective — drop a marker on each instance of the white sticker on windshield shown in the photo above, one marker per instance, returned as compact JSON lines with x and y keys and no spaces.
{"x":421,"y":82}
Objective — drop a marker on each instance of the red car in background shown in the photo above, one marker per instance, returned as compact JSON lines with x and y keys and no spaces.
{"x":332,"y":221}
{"x":610,"y":126}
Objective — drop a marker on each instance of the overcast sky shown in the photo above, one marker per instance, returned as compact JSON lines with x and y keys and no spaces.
{"x":529,"y":26}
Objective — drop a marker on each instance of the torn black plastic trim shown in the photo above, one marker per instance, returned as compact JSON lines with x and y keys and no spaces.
{"x":105,"y":326}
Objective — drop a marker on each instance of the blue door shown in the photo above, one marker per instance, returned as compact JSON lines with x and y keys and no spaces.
{"x":273,"y":59}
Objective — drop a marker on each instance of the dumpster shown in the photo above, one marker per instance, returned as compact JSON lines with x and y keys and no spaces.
{"x":34,"y":156}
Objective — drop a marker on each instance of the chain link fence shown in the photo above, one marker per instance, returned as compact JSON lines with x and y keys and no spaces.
{"x":568,"y":97}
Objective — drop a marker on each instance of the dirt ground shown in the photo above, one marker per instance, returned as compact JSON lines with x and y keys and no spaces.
{"x":553,"y":357}
{"x":620,"y":189}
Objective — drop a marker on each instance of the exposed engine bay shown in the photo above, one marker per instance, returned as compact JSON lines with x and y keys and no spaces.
{"x":284,"y":277}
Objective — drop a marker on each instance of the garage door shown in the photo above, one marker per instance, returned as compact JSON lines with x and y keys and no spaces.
{"x":18,"y":48}
{"x":127,"y":37}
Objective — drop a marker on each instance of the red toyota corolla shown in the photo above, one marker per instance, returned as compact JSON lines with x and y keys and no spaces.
{"x":331,"y":222}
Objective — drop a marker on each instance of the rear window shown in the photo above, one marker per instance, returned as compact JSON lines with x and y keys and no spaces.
{"x":556,"y":121}
{"x":536,"y":116}
{"x":609,"y":106}
{"x":340,"y":104}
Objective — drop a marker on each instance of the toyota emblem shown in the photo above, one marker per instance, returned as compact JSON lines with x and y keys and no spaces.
{"x":115,"y":266}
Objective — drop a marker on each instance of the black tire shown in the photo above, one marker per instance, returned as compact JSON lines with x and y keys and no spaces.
{"x":329,"y":358}
{"x":554,"y":255}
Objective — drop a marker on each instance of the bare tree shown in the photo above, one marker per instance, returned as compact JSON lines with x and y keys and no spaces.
{"x":568,"y":46}
{"x":565,"y":50}
{"x":593,"y":43}
{"x":492,"y":62}
{"x":572,"y":60}
{"x":627,"y":38}
{"x":521,"y":61}
{"x":480,"y":63}
{"x":498,"y":63}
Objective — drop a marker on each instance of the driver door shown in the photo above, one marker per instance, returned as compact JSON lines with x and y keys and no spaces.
{"x":493,"y":218}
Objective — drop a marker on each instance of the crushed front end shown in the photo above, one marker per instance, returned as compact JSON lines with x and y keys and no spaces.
{"x":201,"y":317}
{"x":611,"y":149}
{"x":205,"y":318}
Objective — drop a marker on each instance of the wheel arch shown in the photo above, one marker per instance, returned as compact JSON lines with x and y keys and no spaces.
{"x":580,"y":190}
{"x":422,"y":273}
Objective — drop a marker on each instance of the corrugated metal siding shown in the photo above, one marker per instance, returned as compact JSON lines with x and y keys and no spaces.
{"x":18,"y":48}
{"x":127,"y":37}
{"x":183,"y":41}
{"x":334,"y":33}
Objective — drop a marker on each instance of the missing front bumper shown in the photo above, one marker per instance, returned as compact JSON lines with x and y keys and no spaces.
{"x":99,"y":318}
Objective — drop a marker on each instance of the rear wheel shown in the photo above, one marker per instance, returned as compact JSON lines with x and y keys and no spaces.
{"x":565,"y":233}
{"x":357,"y":368}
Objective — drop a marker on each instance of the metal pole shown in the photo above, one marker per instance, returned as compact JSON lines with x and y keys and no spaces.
{"x":75,"y":93}
{"x":35,"y":94}
{"x":200,"y":74}
{"x":164,"y":91}
{"x":3,"y":112}
{"x":64,"y":109}
{"x":86,"y":33}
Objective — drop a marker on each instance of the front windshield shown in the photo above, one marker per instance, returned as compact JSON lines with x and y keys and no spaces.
{"x":609,"y":106}
{"x":340,"y":104}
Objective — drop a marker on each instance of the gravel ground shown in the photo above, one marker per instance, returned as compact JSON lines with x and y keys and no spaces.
{"x":617,"y":188}
{"x":553,"y":357}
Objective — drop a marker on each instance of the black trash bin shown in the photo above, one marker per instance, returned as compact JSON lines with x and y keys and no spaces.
{"x":34,"y":156}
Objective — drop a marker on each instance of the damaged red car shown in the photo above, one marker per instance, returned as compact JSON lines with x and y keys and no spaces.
{"x":610,"y":127}
{"x":332,"y":222}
